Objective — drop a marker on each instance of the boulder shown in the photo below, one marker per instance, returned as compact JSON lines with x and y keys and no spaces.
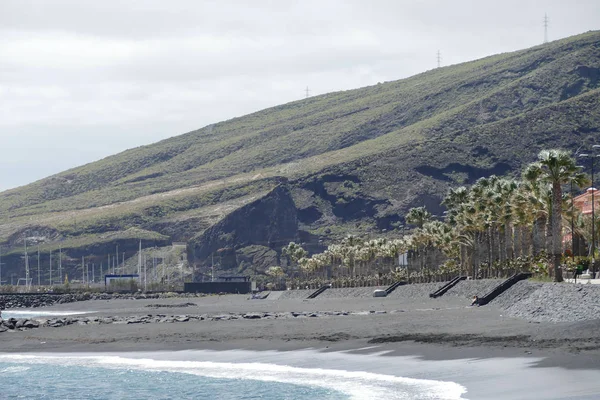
{"x":31,"y":324}
{"x":379,"y":293}
{"x":253,"y":315}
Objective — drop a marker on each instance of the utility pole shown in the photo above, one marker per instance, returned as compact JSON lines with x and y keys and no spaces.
{"x":50,"y":278}
{"x":140,"y":262}
{"x":145,"y":275}
{"x":26,"y":265}
{"x":439,"y":59}
{"x":93,"y":272}
{"x":307,"y":92}
{"x":0,"y":265}
{"x":60,"y":264}
{"x":545,"y":28}
{"x":39,"y":282}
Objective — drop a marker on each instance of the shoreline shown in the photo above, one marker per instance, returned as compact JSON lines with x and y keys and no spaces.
{"x":483,"y":375}
{"x":407,"y":323}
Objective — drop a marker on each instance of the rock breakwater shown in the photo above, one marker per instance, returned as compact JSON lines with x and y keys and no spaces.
{"x":48,"y":299}
{"x":22,"y":324}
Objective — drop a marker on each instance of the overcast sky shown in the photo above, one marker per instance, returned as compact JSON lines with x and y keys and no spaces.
{"x":81,"y":80}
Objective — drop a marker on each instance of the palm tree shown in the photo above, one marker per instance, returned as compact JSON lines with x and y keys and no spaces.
{"x":419,"y":216}
{"x":558,"y":168}
{"x":294,"y":252}
{"x":538,"y":194}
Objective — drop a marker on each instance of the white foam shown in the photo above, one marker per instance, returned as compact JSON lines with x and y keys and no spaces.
{"x":13,"y":370}
{"x":356,"y":384}
{"x":35,"y":313}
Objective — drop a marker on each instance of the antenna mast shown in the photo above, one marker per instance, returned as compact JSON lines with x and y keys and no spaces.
{"x":545,"y":28}
{"x":26,"y":265}
{"x":439,"y":59}
{"x":307,"y":91}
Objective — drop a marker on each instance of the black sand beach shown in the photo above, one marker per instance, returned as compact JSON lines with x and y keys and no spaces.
{"x":406,"y":322}
{"x":494,"y":351}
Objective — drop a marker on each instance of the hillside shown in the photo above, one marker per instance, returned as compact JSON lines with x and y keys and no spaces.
{"x":351,"y":161}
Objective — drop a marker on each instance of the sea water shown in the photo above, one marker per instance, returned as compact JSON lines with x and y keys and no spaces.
{"x":191,"y":376}
{"x":48,"y":381}
{"x":39,"y":313}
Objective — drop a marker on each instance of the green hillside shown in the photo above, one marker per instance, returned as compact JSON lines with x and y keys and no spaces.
{"x":353,"y":161}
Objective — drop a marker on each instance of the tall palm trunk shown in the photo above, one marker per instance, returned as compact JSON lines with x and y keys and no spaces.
{"x":557,"y":230}
{"x":516,"y":239}
{"x":502,"y":245}
{"x":508,"y":240}
{"x":539,"y":243}
{"x":527,"y":234}
{"x":490,"y":247}
{"x":549,"y":240}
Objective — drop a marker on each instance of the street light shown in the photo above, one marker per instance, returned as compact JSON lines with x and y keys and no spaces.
{"x":592,"y":156}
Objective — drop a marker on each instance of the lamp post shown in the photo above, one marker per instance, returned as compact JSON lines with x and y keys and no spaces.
{"x":1,"y":263}
{"x":594,"y":148}
{"x":572,"y":227}
{"x":592,"y":155}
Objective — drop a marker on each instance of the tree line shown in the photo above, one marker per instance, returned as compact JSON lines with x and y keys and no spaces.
{"x":495,"y":227}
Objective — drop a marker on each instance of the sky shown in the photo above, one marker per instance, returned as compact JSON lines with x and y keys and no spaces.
{"x":81,"y":80}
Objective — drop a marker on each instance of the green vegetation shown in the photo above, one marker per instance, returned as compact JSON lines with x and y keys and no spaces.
{"x":495,"y":228}
{"x":357,"y":159}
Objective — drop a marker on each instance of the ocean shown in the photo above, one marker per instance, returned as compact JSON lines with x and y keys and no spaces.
{"x":297,"y":375}
{"x":189,"y":375}
{"x":372,"y":372}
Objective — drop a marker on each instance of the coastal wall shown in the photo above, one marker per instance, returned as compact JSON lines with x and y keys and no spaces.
{"x":533,"y":301}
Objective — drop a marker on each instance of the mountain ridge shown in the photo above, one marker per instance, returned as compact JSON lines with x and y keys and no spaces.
{"x":366,"y":155}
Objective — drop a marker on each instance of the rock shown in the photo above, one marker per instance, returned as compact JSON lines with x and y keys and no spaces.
{"x":253,"y":315}
{"x":182,"y":318}
{"x":31,"y":324}
{"x":379,"y":293}
{"x":3,"y":328}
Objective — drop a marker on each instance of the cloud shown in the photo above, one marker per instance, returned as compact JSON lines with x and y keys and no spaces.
{"x":81,"y":80}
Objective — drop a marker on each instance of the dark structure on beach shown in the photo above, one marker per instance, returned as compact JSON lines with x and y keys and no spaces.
{"x":223,"y":284}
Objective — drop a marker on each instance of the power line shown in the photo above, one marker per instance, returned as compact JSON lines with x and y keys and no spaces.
{"x":439,"y":59}
{"x":307,"y":92}
{"x":546,"y":28}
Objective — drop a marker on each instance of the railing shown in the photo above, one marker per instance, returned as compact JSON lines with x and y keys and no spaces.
{"x":393,"y":286}
{"x":501,"y":288}
{"x":318,"y":291}
{"x":449,"y":285}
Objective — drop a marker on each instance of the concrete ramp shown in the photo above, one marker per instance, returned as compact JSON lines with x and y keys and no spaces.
{"x":394,"y":286}
{"x":318,"y":291}
{"x":504,"y":286}
{"x":447,"y":286}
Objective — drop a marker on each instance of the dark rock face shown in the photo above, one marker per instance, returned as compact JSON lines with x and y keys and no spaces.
{"x":271,"y":221}
{"x":252,"y":259}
